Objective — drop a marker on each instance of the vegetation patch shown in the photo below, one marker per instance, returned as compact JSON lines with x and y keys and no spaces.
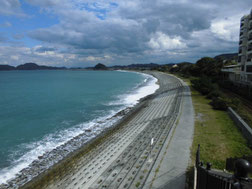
{"x":214,"y":130}
{"x":216,"y":133}
{"x":137,"y":184}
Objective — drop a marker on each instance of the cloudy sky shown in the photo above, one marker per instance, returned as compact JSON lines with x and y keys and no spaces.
{"x":85,"y":32}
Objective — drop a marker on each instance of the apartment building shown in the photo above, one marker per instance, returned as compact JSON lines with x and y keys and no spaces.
{"x":245,"y":48}
{"x":242,"y":72}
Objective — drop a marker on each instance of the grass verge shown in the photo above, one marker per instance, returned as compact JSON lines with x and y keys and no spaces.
{"x":244,"y":108}
{"x":216,"y":133}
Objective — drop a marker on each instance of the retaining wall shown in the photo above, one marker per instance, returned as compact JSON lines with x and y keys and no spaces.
{"x":241,"y":124}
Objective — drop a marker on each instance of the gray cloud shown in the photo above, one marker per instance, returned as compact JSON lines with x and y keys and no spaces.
{"x":46,"y":3}
{"x":42,"y":49}
{"x":130,"y":31}
{"x":11,"y":7}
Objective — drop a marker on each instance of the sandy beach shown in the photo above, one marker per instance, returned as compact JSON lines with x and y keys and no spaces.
{"x":130,"y":153}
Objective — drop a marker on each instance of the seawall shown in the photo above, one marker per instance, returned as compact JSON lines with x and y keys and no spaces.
{"x":241,"y":124}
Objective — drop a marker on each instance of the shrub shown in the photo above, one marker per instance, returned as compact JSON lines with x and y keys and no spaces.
{"x":234,"y":103}
{"x":214,"y":94}
{"x":219,"y":103}
{"x":204,"y":85}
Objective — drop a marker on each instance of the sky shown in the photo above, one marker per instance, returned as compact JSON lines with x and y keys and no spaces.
{"x":81,"y":33}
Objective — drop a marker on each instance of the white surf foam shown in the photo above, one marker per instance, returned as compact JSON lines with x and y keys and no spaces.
{"x":149,"y":86}
{"x":48,"y":143}
{"x":52,"y":141}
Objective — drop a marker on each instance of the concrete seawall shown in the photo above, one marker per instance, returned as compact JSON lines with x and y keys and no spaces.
{"x":131,"y":154}
{"x":242,"y":125}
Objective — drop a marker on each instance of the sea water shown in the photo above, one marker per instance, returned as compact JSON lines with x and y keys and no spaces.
{"x":41,"y":110}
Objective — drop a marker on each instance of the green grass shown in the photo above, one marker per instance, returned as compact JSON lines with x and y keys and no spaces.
{"x":246,"y":114}
{"x":216,"y":133}
{"x":243,"y":110}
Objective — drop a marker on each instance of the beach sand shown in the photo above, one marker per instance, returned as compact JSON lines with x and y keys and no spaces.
{"x":133,"y":152}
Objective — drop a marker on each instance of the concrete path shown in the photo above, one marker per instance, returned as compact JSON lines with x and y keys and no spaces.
{"x":170,"y":167}
{"x":151,"y":150}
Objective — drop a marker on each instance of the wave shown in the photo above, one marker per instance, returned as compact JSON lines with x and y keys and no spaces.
{"x":54,"y":141}
{"x":145,"y":88}
{"x":149,"y":87}
{"x":63,"y":142}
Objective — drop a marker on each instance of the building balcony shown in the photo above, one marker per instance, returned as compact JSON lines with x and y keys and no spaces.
{"x":232,"y":69}
{"x":241,"y":33}
{"x":250,"y":20}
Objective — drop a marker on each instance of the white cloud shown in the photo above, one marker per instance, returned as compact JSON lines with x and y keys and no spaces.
{"x":161,"y":41}
{"x":14,"y":57}
{"x":227,"y":29}
{"x":97,"y":58}
{"x":92,"y":58}
{"x":124,"y":32}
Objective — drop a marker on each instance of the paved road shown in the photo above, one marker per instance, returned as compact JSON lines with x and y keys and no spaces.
{"x":150,"y":151}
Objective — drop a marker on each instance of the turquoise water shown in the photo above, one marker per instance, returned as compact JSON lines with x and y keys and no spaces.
{"x":40,"y":110}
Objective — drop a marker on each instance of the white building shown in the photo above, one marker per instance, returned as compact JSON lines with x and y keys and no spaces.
{"x":245,"y":48}
{"x":243,"y":71}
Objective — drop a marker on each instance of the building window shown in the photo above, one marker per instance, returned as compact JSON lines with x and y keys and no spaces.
{"x":249,"y":57}
{"x":250,"y":47}
{"x":239,"y":58}
{"x":242,"y":68}
{"x":249,"y":68}
{"x":250,"y":37}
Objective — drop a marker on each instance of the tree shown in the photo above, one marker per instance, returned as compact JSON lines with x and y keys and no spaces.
{"x":207,"y":66}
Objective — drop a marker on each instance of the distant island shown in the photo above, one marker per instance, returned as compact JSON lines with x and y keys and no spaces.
{"x":100,"y":66}
{"x":29,"y":66}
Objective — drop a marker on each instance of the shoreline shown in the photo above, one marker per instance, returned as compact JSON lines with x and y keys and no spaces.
{"x":45,"y":165}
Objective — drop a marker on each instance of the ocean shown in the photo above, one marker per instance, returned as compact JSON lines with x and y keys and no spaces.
{"x":42,"y":110}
